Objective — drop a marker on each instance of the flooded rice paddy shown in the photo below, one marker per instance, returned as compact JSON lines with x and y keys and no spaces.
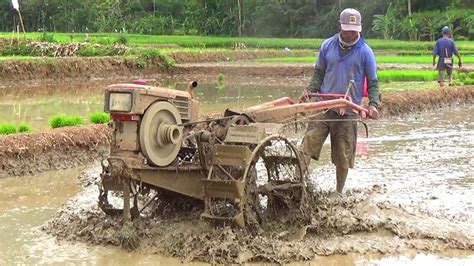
{"x":421,"y":162}
{"x":34,"y":103}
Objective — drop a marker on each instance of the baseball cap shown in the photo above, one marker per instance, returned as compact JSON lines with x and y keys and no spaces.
{"x":350,"y":20}
{"x":445,"y":30}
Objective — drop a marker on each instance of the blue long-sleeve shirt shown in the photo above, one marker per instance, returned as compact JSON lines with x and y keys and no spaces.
{"x":341,"y":67}
{"x":444,"y":48}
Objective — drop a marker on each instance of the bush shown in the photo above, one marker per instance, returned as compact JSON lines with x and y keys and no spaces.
{"x":24,"y":128}
{"x":62,"y":120}
{"x":470,"y":75}
{"x":99,"y":118}
{"x":7,"y":128}
{"x":462,"y":76}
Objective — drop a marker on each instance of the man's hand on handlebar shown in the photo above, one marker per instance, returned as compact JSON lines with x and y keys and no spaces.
{"x":373,"y":112}
{"x":305,"y":96}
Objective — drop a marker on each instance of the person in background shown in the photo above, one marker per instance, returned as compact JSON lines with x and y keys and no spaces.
{"x":444,"y":48}
{"x":343,"y":59}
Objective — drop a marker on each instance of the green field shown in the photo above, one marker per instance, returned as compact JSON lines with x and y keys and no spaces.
{"x":225,"y":42}
{"x":380,"y":59}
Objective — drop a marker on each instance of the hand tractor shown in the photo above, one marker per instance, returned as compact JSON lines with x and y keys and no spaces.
{"x":241,"y":165}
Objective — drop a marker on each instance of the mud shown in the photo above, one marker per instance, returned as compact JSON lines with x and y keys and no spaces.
{"x":352,"y":223}
{"x":63,"y":148}
{"x":233,"y":55}
{"x":394,"y":104}
{"x":107,"y":67}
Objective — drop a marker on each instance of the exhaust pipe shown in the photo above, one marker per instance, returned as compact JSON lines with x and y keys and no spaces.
{"x":191,"y":85}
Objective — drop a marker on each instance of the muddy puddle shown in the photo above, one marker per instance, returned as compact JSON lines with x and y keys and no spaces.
{"x":408,"y":200}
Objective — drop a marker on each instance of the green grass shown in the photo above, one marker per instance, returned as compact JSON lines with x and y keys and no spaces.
{"x":226,"y":42}
{"x":7,"y":128}
{"x":380,"y":59}
{"x":99,"y":118}
{"x":62,"y":120}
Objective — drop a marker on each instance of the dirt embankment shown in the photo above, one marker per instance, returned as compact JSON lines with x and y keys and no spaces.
{"x":31,"y":153}
{"x":106,"y":67}
{"x":394,"y":104}
{"x":75,"y":67}
{"x":233,"y":55}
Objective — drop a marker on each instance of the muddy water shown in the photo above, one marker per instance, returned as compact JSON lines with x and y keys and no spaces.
{"x":422,"y":162}
{"x":34,"y":103}
{"x":28,"y":202}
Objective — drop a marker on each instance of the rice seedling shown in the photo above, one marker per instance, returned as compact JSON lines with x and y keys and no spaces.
{"x":99,"y":118}
{"x":406,"y":75}
{"x":62,"y":120}
{"x":74,"y":120}
{"x":7,"y":128}
{"x":24,"y":128}
{"x":380,"y":59}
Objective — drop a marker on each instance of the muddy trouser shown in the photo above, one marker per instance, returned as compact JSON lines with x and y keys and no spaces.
{"x":343,"y":138}
{"x":442,"y":71}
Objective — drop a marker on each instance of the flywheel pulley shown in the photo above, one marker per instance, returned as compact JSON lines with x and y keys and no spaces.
{"x":160,"y":137}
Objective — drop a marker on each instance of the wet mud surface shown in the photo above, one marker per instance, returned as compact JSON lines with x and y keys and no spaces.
{"x":409,"y":193}
{"x":338,"y":224}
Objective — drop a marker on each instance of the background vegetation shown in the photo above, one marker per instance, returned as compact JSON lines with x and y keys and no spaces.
{"x":403,"y":19}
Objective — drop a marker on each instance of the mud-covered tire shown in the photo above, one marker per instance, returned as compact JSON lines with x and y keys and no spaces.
{"x":275,"y":182}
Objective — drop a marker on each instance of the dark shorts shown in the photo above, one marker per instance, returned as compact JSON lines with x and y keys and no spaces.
{"x":441,"y":73}
{"x":343,"y":138}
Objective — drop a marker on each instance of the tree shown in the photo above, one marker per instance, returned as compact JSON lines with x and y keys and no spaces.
{"x":385,"y":23}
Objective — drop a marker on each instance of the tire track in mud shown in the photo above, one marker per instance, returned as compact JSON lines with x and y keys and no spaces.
{"x":338,"y":224}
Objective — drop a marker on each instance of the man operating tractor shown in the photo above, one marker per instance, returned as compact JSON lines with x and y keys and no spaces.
{"x":343,"y":59}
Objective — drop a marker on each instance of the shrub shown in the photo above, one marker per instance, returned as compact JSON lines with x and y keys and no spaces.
{"x":62,"y":120}
{"x":470,"y":75}
{"x":24,"y":128}
{"x":462,"y":76}
{"x":7,"y":128}
{"x":99,"y":118}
